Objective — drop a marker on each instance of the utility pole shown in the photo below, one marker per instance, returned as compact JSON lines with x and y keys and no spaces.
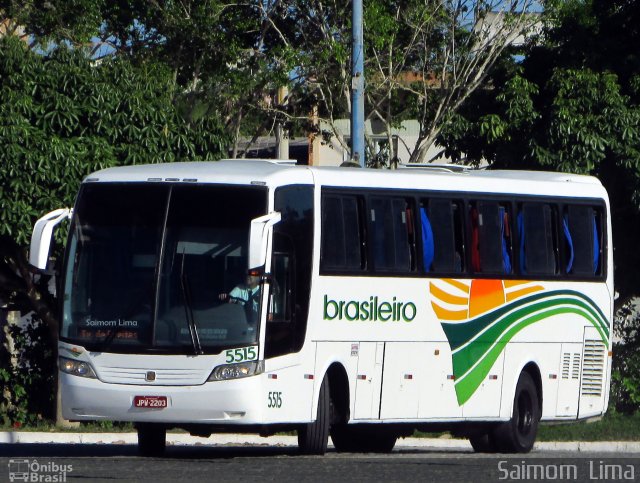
{"x":357,"y":85}
{"x":282,"y":136}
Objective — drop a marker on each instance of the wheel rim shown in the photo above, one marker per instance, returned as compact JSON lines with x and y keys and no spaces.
{"x":525,"y":414}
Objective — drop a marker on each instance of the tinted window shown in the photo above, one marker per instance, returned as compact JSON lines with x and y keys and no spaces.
{"x":116,"y":286}
{"x":582,"y":233}
{"x":442,"y":240}
{"x":291,"y":270}
{"x":342,"y":233}
{"x":113,"y":255}
{"x":390,"y":230}
{"x":205,"y":256}
{"x":490,"y":237}
{"x":536,"y":227}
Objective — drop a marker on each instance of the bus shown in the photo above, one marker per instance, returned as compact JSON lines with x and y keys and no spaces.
{"x":258,"y":296}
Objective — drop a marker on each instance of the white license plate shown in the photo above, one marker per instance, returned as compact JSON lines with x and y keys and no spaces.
{"x":157,"y":402}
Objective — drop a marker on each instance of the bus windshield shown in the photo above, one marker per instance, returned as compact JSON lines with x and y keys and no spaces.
{"x":162,"y":268}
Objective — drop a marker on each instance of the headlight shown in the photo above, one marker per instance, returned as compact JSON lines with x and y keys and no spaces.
{"x":77,"y":368}
{"x":236,"y":371}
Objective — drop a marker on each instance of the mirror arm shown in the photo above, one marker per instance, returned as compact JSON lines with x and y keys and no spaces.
{"x":258,"y":240}
{"x":41,"y":238}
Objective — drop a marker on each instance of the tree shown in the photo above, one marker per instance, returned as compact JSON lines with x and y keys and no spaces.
{"x":559,"y":110}
{"x":573,"y":104}
{"x":450,"y":46}
{"x":230,"y":58}
{"x":225,"y":58}
{"x":62,"y":116}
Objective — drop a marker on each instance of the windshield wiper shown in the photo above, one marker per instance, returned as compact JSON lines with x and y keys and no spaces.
{"x":188,"y":309}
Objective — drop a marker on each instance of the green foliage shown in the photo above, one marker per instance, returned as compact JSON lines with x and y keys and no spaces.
{"x":28,"y":378}
{"x":572,"y":104}
{"x":614,"y":426}
{"x":225,"y":57}
{"x":625,"y":376}
{"x":63,"y":116}
{"x":589,"y":119}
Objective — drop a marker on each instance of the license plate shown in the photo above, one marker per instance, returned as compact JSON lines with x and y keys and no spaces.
{"x":150,"y":402}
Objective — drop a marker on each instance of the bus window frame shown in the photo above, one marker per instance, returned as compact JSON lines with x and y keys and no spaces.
{"x":509,"y":200}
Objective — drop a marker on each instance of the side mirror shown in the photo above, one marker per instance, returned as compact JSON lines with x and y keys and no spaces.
{"x":42,"y":234}
{"x":259,"y":237}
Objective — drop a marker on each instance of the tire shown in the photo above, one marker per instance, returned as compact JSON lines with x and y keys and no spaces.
{"x":343,"y":439}
{"x":519,"y":433}
{"x":483,"y":443}
{"x":314,"y":437}
{"x":380,"y":442}
{"x":362,"y":439}
{"x":152,"y":439}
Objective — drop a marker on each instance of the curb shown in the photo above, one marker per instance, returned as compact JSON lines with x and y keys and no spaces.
{"x":22,"y":437}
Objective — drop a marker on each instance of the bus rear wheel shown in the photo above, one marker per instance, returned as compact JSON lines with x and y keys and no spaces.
{"x":152,"y":439}
{"x":362,"y":439}
{"x":313,"y":437}
{"x":519,"y":433}
{"x":483,"y":443}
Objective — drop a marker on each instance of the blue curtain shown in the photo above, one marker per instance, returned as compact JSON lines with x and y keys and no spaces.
{"x":427,"y":241}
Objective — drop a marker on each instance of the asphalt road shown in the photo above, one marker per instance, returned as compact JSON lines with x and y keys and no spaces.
{"x":108,"y":462}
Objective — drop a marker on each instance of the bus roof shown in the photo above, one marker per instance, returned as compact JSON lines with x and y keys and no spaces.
{"x":275,"y":173}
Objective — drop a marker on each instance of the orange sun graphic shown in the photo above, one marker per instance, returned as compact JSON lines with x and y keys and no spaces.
{"x":463,"y":299}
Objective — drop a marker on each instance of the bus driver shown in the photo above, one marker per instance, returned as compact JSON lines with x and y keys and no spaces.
{"x":245,"y":294}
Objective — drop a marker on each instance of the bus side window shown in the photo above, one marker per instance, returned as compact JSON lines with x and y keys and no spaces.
{"x":475,"y":239}
{"x":342,"y":234}
{"x":598,"y":242}
{"x":491,"y":237}
{"x":390,"y":234}
{"x":291,"y":266}
{"x":443,"y":253}
{"x":583,"y":240}
{"x":281,"y":287}
{"x":537,"y":248}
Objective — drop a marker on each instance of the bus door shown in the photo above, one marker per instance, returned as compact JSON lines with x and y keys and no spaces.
{"x":403,"y":366}
{"x":369,"y":380}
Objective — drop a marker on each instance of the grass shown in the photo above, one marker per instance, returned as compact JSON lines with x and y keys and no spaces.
{"x":612,"y":427}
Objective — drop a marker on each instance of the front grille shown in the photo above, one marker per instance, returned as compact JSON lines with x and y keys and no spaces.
{"x":163,"y":377}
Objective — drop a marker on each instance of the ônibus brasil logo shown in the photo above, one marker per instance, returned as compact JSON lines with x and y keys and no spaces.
{"x":372,"y":310}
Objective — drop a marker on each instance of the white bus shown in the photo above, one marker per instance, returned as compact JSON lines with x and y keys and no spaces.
{"x":258,"y":296}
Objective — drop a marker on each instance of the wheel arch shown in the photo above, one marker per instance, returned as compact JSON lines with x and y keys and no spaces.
{"x":518,"y":363}
{"x":534,"y":371}
{"x":339,"y":392}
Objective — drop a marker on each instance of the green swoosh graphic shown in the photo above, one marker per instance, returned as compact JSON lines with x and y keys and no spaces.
{"x":460,"y":333}
{"x":476,"y":344}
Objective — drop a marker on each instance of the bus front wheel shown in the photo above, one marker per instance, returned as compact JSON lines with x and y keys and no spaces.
{"x":313,"y":437}
{"x":519,"y":433}
{"x":152,"y":439}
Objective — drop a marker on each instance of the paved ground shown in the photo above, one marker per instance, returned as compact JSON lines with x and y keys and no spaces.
{"x":179,"y":439}
{"x":250,"y":459}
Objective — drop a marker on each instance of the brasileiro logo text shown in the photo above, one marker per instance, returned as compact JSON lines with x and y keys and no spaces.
{"x":372,"y":310}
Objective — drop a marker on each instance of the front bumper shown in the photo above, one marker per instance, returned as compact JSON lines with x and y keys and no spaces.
{"x":219,"y":402}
